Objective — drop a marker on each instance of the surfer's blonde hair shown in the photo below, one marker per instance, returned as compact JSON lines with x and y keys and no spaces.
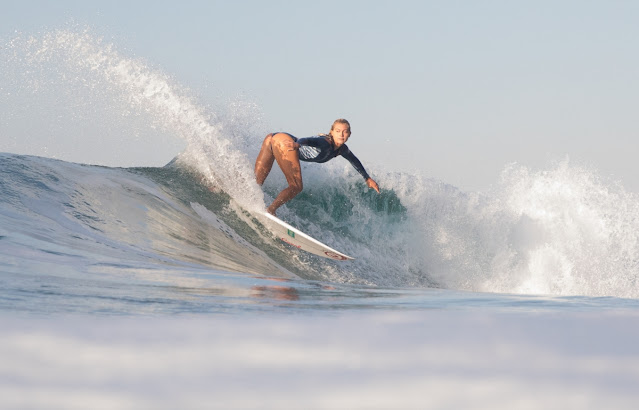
{"x":340,"y":121}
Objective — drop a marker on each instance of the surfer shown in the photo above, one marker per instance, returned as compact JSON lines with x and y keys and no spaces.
{"x":288,"y":151}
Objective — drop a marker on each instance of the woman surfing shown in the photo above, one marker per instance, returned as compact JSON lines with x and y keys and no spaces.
{"x":288,"y":151}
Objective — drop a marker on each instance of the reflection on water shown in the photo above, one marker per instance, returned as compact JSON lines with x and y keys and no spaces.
{"x":278,"y":292}
{"x":120,"y":289}
{"x":275,"y":292}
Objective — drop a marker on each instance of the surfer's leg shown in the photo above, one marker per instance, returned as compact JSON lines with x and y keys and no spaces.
{"x":264,"y":161}
{"x":289,"y":161}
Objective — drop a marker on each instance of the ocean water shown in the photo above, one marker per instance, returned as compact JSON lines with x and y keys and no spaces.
{"x":126,"y":285}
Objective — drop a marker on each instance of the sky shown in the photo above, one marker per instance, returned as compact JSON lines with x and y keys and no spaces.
{"x":453,"y":90}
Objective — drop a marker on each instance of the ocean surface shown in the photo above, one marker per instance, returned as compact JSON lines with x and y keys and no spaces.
{"x":158,"y":286}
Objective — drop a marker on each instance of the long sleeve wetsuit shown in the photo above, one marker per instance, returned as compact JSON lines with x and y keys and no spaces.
{"x":318,"y":149}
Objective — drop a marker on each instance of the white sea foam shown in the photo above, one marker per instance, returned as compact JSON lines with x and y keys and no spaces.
{"x":560,"y":231}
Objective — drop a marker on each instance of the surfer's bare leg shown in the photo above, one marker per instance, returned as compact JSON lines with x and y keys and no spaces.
{"x":289,"y":162}
{"x":264,"y":161}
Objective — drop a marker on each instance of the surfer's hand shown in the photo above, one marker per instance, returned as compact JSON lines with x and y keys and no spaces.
{"x":372,"y":184}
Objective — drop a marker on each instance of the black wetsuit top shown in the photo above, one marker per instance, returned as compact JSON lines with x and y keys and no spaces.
{"x":318,"y":149}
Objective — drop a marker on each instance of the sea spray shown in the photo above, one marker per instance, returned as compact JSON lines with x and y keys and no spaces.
{"x":68,"y":59}
{"x":584,"y":232}
{"x":560,"y":231}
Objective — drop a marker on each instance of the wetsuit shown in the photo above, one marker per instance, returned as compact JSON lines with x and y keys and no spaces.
{"x":318,"y":149}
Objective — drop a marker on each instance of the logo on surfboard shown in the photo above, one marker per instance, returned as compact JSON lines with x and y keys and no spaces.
{"x":291,"y":243}
{"x":335,"y":256}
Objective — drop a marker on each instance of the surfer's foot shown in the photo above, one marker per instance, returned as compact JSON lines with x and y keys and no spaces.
{"x":271,"y":211}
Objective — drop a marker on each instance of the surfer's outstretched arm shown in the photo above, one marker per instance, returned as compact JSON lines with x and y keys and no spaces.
{"x":346,"y":153}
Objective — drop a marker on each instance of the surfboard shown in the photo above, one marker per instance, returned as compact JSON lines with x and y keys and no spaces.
{"x":294,"y":237}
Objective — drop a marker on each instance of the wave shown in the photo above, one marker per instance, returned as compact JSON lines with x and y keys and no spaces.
{"x":559,"y":231}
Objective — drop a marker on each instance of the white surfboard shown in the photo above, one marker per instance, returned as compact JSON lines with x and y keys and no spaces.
{"x":302,"y":241}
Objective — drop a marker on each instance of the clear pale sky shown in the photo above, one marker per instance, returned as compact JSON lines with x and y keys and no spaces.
{"x":453,"y":89}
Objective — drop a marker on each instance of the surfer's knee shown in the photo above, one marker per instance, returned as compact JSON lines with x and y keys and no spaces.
{"x":296,"y":186}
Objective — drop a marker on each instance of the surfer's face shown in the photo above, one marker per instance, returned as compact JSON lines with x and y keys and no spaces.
{"x":340,"y":133}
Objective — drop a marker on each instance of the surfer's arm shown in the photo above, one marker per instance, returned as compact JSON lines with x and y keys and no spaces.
{"x":346,"y":153}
